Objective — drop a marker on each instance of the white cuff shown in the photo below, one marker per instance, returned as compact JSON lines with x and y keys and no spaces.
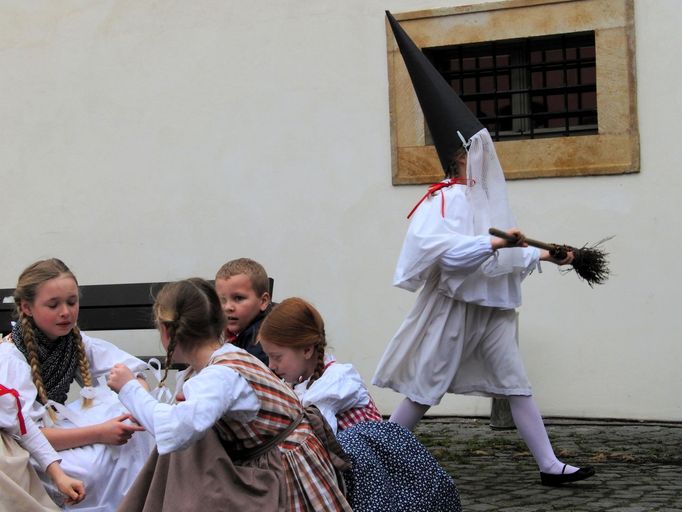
{"x":139,"y":402}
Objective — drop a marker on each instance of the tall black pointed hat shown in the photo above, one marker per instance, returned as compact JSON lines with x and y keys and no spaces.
{"x":445,"y":113}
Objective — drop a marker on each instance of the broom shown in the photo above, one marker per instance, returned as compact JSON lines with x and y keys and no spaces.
{"x":589,"y":263}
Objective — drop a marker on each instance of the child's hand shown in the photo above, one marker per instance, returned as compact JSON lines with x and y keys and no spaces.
{"x":546,"y":256}
{"x":73,"y":489}
{"x":501,"y":243}
{"x":115,"y":431}
{"x":119,"y":375}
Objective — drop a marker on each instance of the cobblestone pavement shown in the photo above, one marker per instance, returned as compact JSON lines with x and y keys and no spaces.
{"x":638,"y":464}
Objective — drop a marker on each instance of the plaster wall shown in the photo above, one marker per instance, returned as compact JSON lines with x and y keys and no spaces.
{"x":151,"y":141}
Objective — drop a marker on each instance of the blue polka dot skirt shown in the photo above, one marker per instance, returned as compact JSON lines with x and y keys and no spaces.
{"x":392,"y":471}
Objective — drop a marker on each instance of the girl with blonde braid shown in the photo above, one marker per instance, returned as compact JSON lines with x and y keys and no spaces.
{"x":390,"y":469}
{"x":96,"y":438}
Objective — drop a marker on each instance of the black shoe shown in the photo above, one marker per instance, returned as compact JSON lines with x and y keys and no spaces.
{"x":556,"y":480}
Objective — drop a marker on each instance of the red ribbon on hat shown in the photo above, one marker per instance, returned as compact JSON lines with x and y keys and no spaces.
{"x":20,"y":417}
{"x":438,"y":186}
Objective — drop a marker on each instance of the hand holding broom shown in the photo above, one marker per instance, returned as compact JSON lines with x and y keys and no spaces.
{"x":589,"y":263}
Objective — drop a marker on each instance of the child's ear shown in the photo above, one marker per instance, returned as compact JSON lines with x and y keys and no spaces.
{"x":309,"y":351}
{"x":163,"y":332}
{"x":264,"y":301}
{"x":25,"y":308}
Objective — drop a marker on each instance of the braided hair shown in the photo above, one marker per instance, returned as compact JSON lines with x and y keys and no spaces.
{"x":190,"y":312}
{"x":32,"y":349}
{"x":295,"y":323}
{"x":83,"y":364}
{"x":25,"y":292}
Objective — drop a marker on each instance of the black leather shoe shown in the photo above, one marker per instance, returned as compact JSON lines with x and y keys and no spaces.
{"x":556,"y":480}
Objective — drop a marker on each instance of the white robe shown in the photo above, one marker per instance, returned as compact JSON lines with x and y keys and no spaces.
{"x":460,"y":335}
{"x":106,"y":470}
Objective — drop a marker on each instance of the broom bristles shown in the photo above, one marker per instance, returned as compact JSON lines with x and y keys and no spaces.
{"x":591,"y":264}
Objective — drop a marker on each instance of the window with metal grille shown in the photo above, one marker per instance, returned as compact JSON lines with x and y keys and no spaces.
{"x":526,"y":88}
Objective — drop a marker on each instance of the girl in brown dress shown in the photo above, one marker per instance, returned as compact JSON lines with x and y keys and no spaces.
{"x":240,"y":439}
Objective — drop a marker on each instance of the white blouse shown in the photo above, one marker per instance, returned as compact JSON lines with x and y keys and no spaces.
{"x":467,"y":267}
{"x":33,"y":441}
{"x":213,"y":392}
{"x":338,"y":389}
{"x":101,"y":355}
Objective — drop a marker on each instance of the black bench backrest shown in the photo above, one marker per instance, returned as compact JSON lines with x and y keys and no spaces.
{"x":104,"y":307}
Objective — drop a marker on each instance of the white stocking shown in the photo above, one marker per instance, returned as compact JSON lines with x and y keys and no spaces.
{"x":408,"y":413}
{"x":532,"y":430}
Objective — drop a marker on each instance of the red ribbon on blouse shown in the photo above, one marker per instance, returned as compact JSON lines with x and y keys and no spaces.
{"x":438,"y":186}
{"x":20,"y":417}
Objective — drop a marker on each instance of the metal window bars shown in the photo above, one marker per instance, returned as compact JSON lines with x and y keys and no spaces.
{"x":526,"y":88}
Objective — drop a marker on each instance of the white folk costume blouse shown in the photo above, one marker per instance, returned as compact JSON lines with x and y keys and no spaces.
{"x":20,"y":487}
{"x":467,"y":268}
{"x":22,"y":428}
{"x":215,"y":391}
{"x":106,"y":470}
{"x":340,"y":395}
{"x":101,"y":355}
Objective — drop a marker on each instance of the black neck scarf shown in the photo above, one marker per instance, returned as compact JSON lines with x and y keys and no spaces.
{"x":57,"y":360}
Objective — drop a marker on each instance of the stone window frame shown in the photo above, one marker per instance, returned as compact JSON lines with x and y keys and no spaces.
{"x":614,"y":150}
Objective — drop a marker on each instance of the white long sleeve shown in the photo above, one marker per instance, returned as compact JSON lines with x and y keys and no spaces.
{"x":33,"y":441}
{"x":467,"y":253}
{"x":215,"y":391}
{"x":140,"y":403}
{"x":447,"y":248}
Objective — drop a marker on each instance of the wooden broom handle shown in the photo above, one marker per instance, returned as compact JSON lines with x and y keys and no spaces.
{"x":510,"y":238}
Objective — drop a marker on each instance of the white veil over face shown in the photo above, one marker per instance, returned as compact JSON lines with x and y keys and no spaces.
{"x":488,"y":196}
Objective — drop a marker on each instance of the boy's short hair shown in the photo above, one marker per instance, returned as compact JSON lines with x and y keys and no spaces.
{"x":252,"y":269}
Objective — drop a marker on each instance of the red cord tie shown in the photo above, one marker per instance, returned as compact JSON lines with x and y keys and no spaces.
{"x":438,"y":186}
{"x":20,"y":417}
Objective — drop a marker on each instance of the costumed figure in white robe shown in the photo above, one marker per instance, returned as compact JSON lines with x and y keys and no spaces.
{"x":460,"y":336}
